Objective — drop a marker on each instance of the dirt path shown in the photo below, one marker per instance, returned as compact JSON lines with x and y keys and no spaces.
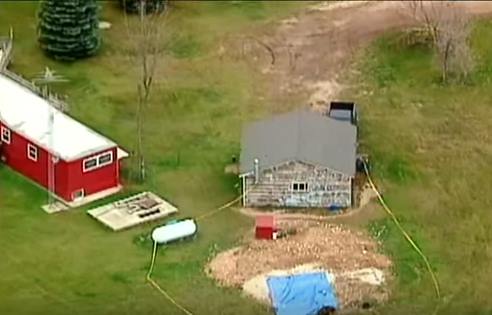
{"x":307,"y":54}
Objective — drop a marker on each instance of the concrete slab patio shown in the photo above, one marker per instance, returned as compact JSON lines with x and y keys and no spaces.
{"x":131,"y":211}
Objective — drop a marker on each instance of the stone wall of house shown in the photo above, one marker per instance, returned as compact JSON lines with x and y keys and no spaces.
{"x":275,"y":188}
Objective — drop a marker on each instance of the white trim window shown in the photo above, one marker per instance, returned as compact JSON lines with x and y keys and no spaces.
{"x":299,"y":186}
{"x":97,"y":161}
{"x":5,"y":135}
{"x":105,"y":159}
{"x":32,"y":152}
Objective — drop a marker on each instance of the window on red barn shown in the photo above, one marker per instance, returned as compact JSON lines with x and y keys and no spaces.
{"x":32,"y":152}
{"x":105,"y":159}
{"x":97,"y":161}
{"x":5,"y":135}
{"x":90,"y":164}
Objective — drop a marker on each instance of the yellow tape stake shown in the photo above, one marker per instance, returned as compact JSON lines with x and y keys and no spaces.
{"x":405,"y":234}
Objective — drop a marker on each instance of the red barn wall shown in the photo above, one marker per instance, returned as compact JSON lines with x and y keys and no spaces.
{"x":69,"y":176}
{"x":91,"y":181}
{"x":61,"y":180}
{"x":15,"y":154}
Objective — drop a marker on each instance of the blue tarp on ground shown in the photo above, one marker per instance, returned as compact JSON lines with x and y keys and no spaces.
{"x":303,"y":294}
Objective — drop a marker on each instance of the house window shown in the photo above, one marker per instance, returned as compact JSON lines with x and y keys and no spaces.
{"x":32,"y":152}
{"x":97,"y":161}
{"x":90,"y":164}
{"x":299,"y":187}
{"x":5,"y":135}
{"x":105,"y":159}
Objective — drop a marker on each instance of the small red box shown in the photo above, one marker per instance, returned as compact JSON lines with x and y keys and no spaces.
{"x":265,"y":227}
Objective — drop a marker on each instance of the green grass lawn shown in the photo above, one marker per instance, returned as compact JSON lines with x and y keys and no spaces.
{"x":430,"y":145}
{"x":68,"y":263}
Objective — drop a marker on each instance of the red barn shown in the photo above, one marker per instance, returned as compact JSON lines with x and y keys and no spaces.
{"x":64,"y":154}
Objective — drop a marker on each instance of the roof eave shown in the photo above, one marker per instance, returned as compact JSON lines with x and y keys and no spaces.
{"x":88,"y":153}
{"x":244,"y":174}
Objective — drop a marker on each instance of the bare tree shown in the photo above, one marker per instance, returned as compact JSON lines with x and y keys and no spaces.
{"x":449,"y":27}
{"x":146,"y":40}
{"x":453,"y":45}
{"x":424,"y":14}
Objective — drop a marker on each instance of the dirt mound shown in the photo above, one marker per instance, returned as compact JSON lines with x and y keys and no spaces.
{"x":329,"y":247}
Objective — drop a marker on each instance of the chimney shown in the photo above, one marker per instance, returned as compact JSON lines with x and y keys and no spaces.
{"x":257,"y":171}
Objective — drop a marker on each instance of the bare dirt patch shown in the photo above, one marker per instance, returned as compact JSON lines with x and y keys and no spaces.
{"x":333,"y":248}
{"x":306,"y":56}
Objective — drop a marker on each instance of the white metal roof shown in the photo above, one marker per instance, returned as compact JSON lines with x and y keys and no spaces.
{"x":28,"y":114}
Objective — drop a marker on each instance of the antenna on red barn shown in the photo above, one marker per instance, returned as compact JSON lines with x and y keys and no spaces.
{"x":46,"y":78}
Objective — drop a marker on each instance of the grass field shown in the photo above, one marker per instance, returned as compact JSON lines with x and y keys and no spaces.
{"x":429,"y":144}
{"x":68,"y":263}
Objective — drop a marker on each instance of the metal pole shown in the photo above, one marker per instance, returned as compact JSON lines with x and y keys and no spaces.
{"x":244,"y":190}
{"x":46,"y":78}
{"x":50,"y":160}
{"x":51,"y":167}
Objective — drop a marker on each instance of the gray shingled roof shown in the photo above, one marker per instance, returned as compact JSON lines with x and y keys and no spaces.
{"x":299,"y":136}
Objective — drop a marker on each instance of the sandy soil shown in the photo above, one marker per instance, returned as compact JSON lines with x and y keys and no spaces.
{"x":306,"y":56}
{"x":329,"y":247}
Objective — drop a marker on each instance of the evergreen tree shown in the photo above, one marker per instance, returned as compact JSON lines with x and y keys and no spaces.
{"x":151,"y":6}
{"x":69,"y":29}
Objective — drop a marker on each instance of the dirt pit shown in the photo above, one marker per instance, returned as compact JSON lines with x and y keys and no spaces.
{"x":351,"y":259}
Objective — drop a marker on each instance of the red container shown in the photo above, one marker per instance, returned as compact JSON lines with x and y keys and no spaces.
{"x":265,"y":227}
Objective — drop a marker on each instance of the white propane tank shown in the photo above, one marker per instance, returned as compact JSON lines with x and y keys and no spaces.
{"x":174,"y":231}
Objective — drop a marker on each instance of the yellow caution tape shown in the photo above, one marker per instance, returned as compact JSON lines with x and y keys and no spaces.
{"x":227,"y":205}
{"x":158,"y":288}
{"x":405,"y":234}
{"x":154,"y":256}
{"x":215,"y":211}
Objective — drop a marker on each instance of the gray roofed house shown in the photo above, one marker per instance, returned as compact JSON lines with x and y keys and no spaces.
{"x":298,"y":159}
